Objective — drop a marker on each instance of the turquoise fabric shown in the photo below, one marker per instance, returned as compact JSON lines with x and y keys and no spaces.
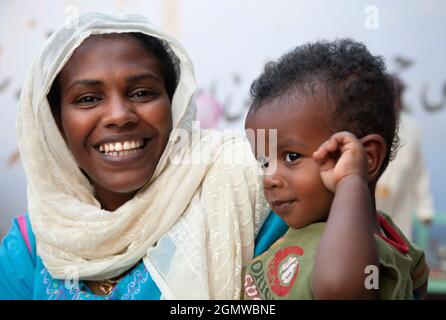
{"x":17,"y":266}
{"x":137,"y":285}
{"x":273,"y":228}
{"x":23,"y":275}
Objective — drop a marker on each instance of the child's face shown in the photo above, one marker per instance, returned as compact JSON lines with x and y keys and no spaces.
{"x":294,"y":189}
{"x":113,"y":97}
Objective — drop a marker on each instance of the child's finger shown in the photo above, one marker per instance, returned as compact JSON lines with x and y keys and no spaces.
{"x":343,"y":139}
{"x":320,"y":156}
{"x":328,"y":146}
{"x":323,"y":153}
{"x":334,"y":145}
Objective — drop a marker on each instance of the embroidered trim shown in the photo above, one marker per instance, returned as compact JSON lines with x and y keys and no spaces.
{"x":55,"y":289}
{"x":134,"y":287}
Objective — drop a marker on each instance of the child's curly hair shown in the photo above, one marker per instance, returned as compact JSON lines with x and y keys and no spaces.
{"x":356,"y":80}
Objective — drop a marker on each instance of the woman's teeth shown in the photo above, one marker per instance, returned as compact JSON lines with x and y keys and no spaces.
{"x":121,"y":148}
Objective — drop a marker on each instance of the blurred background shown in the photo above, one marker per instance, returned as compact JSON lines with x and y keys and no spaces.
{"x":229,"y":42}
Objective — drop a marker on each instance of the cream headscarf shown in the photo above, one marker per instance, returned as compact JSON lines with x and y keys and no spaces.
{"x":192,"y":224}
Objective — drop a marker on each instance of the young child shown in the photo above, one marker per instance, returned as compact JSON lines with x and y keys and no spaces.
{"x":332,"y":106}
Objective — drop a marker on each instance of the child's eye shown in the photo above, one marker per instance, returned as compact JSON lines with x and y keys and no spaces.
{"x":292,"y":156}
{"x":263,"y":162}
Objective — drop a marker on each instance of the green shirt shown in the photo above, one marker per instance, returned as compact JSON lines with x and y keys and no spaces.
{"x":286,"y":269}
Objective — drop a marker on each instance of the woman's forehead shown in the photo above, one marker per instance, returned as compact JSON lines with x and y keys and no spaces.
{"x":103,"y":54}
{"x":108,"y":44}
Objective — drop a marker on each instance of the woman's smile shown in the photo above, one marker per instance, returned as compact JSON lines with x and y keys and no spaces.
{"x":115,"y":114}
{"x":126,"y":150}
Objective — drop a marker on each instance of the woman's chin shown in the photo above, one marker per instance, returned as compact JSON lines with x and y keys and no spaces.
{"x":126,"y":187}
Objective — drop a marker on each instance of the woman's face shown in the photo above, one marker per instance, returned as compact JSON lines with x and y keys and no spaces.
{"x":115,"y":115}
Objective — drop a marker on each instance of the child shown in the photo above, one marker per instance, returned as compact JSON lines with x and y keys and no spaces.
{"x":332,"y":107}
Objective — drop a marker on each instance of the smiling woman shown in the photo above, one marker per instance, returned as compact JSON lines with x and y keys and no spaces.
{"x":104,"y":109}
{"x":116,"y":117}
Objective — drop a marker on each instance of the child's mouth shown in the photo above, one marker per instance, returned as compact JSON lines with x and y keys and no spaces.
{"x":281,"y":207}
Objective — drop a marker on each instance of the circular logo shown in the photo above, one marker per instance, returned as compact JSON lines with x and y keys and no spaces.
{"x":283,"y":269}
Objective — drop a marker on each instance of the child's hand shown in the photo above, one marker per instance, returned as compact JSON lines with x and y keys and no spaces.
{"x":340,"y":156}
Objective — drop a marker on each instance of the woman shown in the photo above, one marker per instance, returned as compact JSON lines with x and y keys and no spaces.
{"x":118,"y":208}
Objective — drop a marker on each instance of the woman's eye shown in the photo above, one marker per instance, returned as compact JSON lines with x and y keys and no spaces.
{"x":87,"y":100}
{"x":292,"y":156}
{"x":263,"y":162}
{"x":143,"y":93}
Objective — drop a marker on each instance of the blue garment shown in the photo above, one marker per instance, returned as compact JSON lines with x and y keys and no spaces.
{"x":273,"y":228}
{"x":23,"y":275}
{"x":17,"y":265}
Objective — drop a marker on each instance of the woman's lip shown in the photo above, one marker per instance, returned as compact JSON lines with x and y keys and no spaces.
{"x":121,"y":139}
{"x":282,"y":206}
{"x":125,"y":159}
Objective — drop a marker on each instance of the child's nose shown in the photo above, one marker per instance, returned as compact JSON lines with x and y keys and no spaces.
{"x":272,"y":179}
{"x":119,"y":113}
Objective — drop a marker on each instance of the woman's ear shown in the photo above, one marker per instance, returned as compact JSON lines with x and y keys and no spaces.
{"x":376,"y":150}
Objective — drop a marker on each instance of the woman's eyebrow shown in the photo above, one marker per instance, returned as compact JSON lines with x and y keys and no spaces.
{"x":143,"y":76}
{"x":84,"y":82}
{"x":134,"y":78}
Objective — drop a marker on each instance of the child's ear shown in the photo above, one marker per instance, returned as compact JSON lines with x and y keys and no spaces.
{"x":376,"y":150}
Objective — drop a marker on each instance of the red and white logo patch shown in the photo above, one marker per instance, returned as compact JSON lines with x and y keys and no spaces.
{"x":283,"y":269}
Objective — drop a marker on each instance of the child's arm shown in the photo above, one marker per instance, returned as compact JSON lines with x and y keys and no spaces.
{"x":347,"y":245}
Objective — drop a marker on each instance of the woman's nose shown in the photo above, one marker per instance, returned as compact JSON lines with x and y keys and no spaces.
{"x":119,"y":113}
